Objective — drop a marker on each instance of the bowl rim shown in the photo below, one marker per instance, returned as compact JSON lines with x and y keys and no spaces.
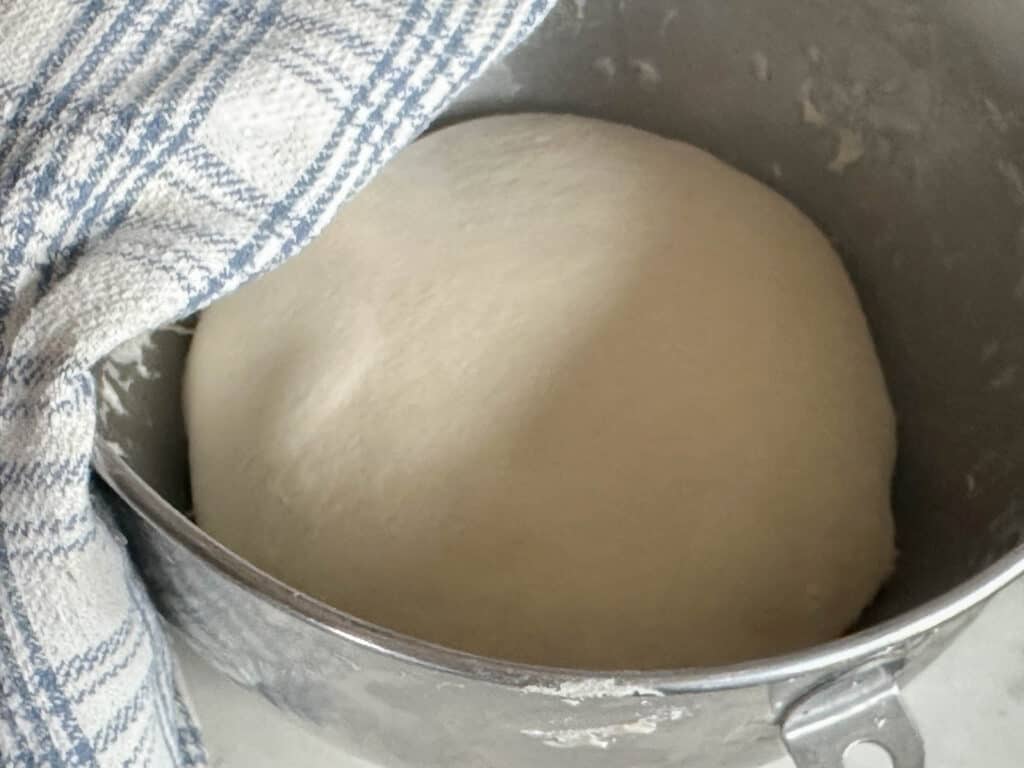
{"x":872,"y":641}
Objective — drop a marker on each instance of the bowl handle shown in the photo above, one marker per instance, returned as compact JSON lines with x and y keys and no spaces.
{"x":861,"y":706}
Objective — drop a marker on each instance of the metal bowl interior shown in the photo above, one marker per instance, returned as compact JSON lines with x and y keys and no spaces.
{"x":891,"y":123}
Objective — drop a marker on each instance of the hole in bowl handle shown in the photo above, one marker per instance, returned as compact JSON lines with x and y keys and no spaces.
{"x":861,"y":706}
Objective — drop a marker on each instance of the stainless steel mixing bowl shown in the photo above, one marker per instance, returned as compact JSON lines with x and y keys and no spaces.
{"x":899,"y":127}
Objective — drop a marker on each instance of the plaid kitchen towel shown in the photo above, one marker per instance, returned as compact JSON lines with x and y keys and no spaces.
{"x":154,"y":154}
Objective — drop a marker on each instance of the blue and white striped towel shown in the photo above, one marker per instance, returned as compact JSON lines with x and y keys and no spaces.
{"x":153,"y":155}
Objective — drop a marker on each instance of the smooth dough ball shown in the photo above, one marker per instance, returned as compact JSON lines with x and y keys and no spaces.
{"x":557,"y":391}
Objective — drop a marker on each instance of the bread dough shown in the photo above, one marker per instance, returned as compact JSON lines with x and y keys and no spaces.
{"x":557,"y":391}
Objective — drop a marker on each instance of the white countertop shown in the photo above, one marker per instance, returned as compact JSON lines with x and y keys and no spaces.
{"x":969,"y":705}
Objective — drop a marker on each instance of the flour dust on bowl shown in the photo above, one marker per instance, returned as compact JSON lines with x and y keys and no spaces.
{"x":894,"y":125}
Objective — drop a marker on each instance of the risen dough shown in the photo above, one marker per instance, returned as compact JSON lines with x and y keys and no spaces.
{"x":558,"y":391}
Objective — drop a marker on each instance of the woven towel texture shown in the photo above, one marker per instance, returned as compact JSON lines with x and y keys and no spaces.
{"x":154,"y":154}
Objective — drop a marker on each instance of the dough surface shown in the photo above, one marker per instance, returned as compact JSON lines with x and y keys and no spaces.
{"x":558,"y":391}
